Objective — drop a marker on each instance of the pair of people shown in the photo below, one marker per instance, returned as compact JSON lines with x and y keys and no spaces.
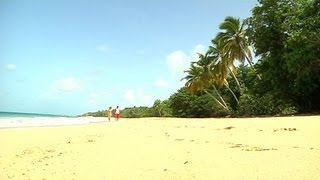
{"x":116,"y":113}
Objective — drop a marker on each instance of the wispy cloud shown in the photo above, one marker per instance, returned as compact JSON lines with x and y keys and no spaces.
{"x":129,"y":95}
{"x":141,"y":52}
{"x":179,"y":61}
{"x":60,"y":87}
{"x":104,"y":48}
{"x":67,"y":84}
{"x":98,"y":98}
{"x":10,"y":67}
{"x":196,"y":50}
{"x":161,"y":83}
{"x":137,"y":97}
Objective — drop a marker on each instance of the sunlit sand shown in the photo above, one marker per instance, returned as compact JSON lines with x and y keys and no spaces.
{"x":166,"y":148}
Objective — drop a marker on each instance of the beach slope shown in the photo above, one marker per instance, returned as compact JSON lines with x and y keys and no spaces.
{"x":166,"y":148}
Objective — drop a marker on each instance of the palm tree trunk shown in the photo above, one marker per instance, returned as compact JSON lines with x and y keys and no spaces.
{"x":214,"y":98}
{"x":215,"y":89}
{"x":236,"y":79}
{"x":251,"y":64}
{"x":235,"y":97}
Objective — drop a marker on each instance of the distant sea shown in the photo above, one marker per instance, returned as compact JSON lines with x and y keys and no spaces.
{"x":18,"y":120}
{"x":27,"y":115}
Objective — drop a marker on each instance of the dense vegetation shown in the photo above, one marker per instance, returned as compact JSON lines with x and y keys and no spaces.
{"x":285,"y":36}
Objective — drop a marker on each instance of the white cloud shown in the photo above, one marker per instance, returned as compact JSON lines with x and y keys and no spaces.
{"x":197,"y":49}
{"x":66,"y":84}
{"x":98,"y":98}
{"x":60,"y":87}
{"x":103,"y":48}
{"x":161,"y":83}
{"x":10,"y":67}
{"x":129,"y":95}
{"x":177,"y":61}
{"x":137,"y":98}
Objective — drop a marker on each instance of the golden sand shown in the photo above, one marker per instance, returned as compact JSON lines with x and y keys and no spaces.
{"x":166,"y":148}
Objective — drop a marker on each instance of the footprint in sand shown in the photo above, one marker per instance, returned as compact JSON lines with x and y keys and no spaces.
{"x":237,"y":146}
{"x":285,"y":129}
{"x":252,"y":148}
{"x":167,"y":134}
{"x":228,"y":128}
{"x":91,"y":140}
{"x":258,"y":149}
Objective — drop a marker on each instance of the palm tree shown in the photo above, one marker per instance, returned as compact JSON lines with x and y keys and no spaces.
{"x":234,"y":42}
{"x":221,"y":63}
{"x":198,"y":79}
{"x":220,"y":67}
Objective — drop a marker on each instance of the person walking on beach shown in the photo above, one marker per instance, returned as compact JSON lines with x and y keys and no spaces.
{"x":109,"y":113}
{"x":117,"y":113}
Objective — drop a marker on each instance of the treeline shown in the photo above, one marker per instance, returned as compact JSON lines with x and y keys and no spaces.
{"x":284,"y":35}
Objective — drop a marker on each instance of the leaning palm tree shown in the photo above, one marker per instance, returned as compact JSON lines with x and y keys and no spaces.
{"x":234,"y":42}
{"x":210,"y":78}
{"x":198,"y":80}
{"x":220,"y":67}
{"x":221,"y":63}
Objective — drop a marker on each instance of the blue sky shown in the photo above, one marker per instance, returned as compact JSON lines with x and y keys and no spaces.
{"x":73,"y":56}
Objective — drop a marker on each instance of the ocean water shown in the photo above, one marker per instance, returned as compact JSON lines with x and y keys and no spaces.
{"x":18,"y":120}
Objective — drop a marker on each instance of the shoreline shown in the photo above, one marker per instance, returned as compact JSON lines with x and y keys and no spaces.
{"x":105,"y":120}
{"x":93,"y":120}
{"x":33,"y":122}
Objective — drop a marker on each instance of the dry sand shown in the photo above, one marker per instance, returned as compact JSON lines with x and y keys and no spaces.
{"x":166,"y":148}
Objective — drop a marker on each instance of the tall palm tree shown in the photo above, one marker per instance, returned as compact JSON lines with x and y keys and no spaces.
{"x":234,"y":42}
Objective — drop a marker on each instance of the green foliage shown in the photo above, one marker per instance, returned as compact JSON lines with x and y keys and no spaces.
{"x":266,"y":105}
{"x":136,"y":112}
{"x":286,"y":35}
{"x":161,"y":108}
{"x":100,"y":113}
{"x":184,"y":104}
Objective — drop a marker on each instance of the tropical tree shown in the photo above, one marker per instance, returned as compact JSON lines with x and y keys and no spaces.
{"x":221,"y":66}
{"x":286,"y":34}
{"x":233,"y":42}
{"x":199,"y":79}
{"x":161,"y":108}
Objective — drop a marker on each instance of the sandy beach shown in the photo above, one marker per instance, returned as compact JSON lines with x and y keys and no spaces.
{"x":166,"y":148}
